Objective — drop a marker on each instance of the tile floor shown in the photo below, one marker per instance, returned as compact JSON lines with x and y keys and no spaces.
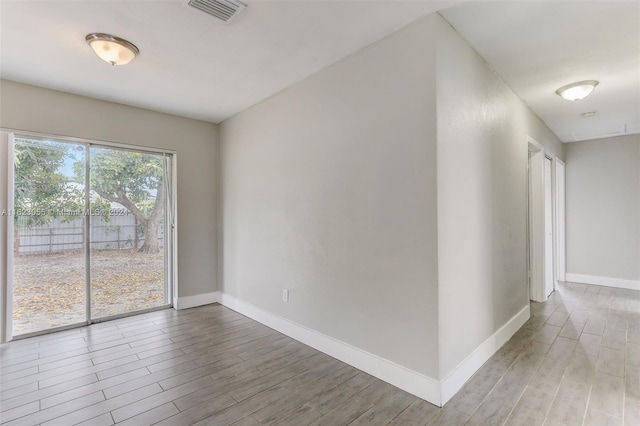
{"x":575,"y":362}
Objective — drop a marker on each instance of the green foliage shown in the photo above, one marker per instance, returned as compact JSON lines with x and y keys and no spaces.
{"x":124,"y":175}
{"x":42,"y":191}
{"x":135,"y":181}
{"x":50,"y":183}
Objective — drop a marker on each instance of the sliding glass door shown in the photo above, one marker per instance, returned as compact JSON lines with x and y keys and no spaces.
{"x":128,"y":207}
{"x":49,"y":268}
{"x":91,"y":238}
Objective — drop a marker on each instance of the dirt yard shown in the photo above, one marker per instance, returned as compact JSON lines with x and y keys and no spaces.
{"x":49,"y":289}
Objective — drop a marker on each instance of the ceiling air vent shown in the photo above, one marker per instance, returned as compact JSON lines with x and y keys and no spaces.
{"x":224,"y":10}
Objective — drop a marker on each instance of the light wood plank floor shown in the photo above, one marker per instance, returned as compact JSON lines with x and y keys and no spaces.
{"x":577,"y":361}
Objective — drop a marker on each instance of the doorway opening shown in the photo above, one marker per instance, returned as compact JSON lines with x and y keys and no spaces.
{"x":536,"y":222}
{"x":549,"y":273}
{"x":560,"y":222}
{"x":545,"y":222}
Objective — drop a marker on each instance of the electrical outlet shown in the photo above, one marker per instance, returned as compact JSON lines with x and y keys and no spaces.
{"x":285,"y":295}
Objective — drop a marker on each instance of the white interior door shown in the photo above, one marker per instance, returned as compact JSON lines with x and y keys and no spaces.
{"x":548,"y":230}
{"x":560,"y":222}
{"x":535,"y":229}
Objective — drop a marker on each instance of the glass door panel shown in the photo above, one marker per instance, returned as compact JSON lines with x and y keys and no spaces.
{"x":49,"y":260}
{"x":90,"y":237}
{"x":128,"y":206}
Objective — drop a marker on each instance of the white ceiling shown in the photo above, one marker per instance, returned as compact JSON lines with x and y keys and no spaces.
{"x":190,"y":64}
{"x":539,"y":46}
{"x":194,"y":66}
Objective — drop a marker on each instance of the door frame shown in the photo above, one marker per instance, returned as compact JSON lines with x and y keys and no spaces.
{"x":535,"y":237}
{"x":6,"y":230}
{"x":560,"y":220}
{"x":549,"y":197}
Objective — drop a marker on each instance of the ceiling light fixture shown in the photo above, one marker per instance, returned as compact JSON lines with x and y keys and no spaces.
{"x":577,"y":91}
{"x":111,"y":49}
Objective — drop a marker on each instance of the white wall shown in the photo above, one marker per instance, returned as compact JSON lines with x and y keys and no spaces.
{"x":603,"y":210}
{"x":389,"y":193}
{"x":482,"y":198}
{"x":394,"y":212}
{"x":35,"y":109}
{"x":329,"y":190}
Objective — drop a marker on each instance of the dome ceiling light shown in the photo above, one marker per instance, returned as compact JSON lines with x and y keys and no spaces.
{"x":578,"y":90}
{"x":111,"y":49}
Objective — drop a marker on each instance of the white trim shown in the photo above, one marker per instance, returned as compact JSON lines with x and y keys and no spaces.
{"x":72,"y":139}
{"x":411,"y":381}
{"x":560,"y":221}
{"x":9,"y":250}
{"x":197,"y":300}
{"x":536,"y":221}
{"x":467,"y":368}
{"x":549,"y":229}
{"x":173,"y":231}
{"x":604,"y":281}
{"x":6,"y":241}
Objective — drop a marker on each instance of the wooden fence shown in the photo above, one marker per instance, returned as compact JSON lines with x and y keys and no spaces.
{"x":121,"y":232}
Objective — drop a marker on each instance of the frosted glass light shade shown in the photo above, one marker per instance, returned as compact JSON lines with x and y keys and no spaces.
{"x":111,"y":49}
{"x":577,"y":91}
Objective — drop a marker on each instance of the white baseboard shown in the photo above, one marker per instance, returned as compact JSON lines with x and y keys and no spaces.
{"x":427,"y":388}
{"x":467,"y":368}
{"x":197,"y":300}
{"x":603,"y":281}
{"x":411,"y":381}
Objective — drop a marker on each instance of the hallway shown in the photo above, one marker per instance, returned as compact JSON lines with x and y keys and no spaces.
{"x":576,"y":361}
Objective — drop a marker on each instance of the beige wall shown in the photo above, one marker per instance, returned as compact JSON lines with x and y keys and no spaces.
{"x":329,"y":190}
{"x":35,"y":109}
{"x":386,"y":192}
{"x":603,"y":208}
{"x":482,"y":198}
